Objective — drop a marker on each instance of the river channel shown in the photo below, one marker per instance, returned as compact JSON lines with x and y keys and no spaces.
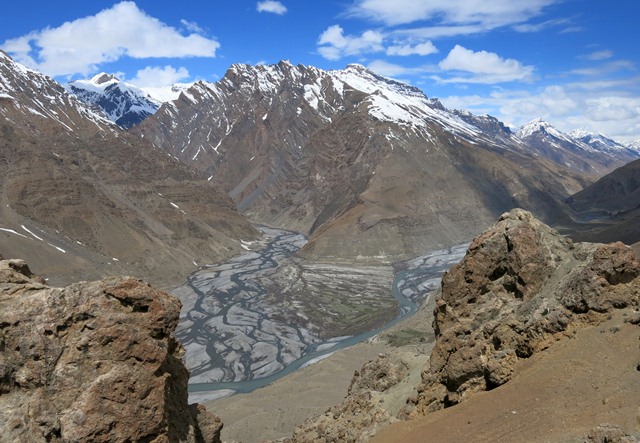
{"x":236,"y":341}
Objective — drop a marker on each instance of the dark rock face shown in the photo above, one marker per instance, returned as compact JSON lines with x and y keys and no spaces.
{"x":520,"y":287}
{"x":93,"y":362}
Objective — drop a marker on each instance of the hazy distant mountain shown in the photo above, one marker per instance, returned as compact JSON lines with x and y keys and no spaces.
{"x":81,"y":198}
{"x":370,"y":167}
{"x":634,"y":145}
{"x":605,"y":144}
{"x":609,"y":209}
{"x":589,"y":153}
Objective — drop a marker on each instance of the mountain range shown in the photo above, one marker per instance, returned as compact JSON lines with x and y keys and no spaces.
{"x":99,"y":178}
{"x":81,"y":198}
{"x":370,"y":168}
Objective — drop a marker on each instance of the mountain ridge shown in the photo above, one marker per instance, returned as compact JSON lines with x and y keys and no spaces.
{"x":81,"y":198}
{"x":346,"y":155}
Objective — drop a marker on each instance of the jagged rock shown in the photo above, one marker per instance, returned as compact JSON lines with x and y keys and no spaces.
{"x":520,"y":287}
{"x":357,"y":417}
{"x":93,"y":362}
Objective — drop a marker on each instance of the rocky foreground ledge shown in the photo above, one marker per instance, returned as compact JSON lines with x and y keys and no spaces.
{"x":520,"y":289}
{"x":93,"y":362}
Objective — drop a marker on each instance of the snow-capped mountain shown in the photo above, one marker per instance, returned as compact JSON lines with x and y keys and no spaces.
{"x":26,"y":94}
{"x":371,"y":167}
{"x":603,"y":143}
{"x":123,"y":103}
{"x":162,"y":94}
{"x":81,"y":198}
{"x":593,"y":154}
{"x":635,"y":145}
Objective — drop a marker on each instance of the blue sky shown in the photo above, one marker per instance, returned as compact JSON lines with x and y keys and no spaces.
{"x":571,"y":62}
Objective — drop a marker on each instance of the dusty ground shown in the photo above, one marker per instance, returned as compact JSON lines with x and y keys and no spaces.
{"x":556,"y":396}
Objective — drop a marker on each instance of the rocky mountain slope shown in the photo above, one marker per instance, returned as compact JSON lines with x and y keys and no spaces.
{"x":81,"y":199}
{"x":370,"y":167}
{"x":122,"y":103}
{"x":93,"y":362}
{"x":610,"y":208}
{"x":593,"y":154}
{"x":523,"y":304}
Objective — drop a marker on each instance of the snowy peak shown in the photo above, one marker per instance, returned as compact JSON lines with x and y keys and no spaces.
{"x":103,"y":78}
{"x":587,"y":152}
{"x":27,"y":95}
{"x":328,"y":94}
{"x":540,"y":127}
{"x":542,"y":130}
{"x":598,"y":141}
{"x":124,"y":104}
{"x":164,"y":94}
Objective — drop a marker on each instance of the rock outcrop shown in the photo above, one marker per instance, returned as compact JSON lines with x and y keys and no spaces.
{"x":93,"y":362}
{"x":520,"y":287}
{"x":358,"y":416}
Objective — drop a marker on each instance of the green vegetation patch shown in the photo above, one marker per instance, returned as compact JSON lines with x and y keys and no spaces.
{"x":405,"y":337}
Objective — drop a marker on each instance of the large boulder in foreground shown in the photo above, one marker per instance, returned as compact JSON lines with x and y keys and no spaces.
{"x":93,"y":362}
{"x":520,"y":287}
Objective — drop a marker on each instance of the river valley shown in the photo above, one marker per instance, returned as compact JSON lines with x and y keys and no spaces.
{"x":265,"y":313}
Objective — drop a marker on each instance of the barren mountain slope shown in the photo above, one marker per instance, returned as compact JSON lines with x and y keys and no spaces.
{"x":609,"y":209}
{"x":370,"y":167}
{"x":81,"y":199}
{"x":559,"y":395}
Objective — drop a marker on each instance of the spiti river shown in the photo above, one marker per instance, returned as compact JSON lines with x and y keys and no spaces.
{"x":236,"y":341}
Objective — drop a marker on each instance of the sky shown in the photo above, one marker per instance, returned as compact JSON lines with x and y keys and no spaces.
{"x":573,"y":63}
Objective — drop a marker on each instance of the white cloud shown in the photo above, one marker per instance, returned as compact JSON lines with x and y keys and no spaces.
{"x":335,"y":45}
{"x":425,"y":48}
{"x":598,"y":55}
{"x":537,"y":27}
{"x":81,"y":45}
{"x":433,"y":32}
{"x":488,"y":13}
{"x":611,"y":109}
{"x":606,"y":68}
{"x":155,"y":76}
{"x":483,"y":67}
{"x":393,"y":70}
{"x":192,"y":26}
{"x":271,"y":6}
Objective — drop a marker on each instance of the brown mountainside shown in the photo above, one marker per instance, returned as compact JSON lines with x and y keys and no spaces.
{"x":81,"y":199}
{"x":370,"y":167}
{"x":610,"y":208}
